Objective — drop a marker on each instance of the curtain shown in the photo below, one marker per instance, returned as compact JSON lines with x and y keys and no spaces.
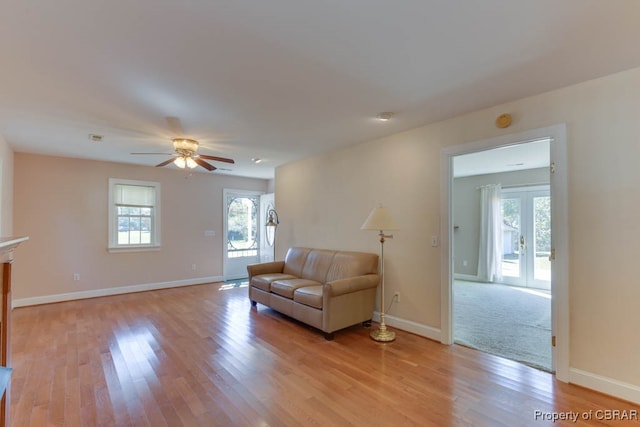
{"x":490,"y":249}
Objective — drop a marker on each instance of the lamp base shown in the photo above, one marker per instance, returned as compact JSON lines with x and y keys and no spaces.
{"x":383,"y":335}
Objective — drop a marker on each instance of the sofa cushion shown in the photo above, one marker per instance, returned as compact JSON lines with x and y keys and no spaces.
{"x":309,"y":295}
{"x":287,"y":287}
{"x":294,"y":261}
{"x":350,"y":264}
{"x":317,"y":265}
{"x":263,"y":281}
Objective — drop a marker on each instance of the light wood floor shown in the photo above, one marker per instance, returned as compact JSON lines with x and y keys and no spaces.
{"x":200,"y":355}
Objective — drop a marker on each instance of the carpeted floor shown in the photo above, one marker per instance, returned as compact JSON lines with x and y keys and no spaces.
{"x":511,"y":322}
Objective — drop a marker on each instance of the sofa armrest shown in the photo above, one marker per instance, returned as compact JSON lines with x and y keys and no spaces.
{"x":265,"y":268}
{"x":351,"y":284}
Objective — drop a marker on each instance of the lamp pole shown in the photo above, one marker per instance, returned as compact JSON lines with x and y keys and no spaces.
{"x":382,"y":334}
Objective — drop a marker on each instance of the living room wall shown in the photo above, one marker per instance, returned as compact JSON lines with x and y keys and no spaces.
{"x":322,"y":202}
{"x":62,"y":205}
{"x":6,"y":188}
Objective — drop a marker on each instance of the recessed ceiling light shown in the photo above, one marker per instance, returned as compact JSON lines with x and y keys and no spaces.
{"x":256,"y":160}
{"x":95,"y":138}
{"x":385,"y":116}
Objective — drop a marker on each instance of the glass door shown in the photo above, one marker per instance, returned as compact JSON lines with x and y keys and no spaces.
{"x":241,"y":224}
{"x":526,"y":235}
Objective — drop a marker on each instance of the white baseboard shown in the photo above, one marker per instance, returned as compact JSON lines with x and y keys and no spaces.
{"x":605,"y":385}
{"x":47,"y":299}
{"x":410,"y":326}
{"x":467,"y":277}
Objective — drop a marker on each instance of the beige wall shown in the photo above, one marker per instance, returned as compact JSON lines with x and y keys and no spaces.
{"x":6,"y":189}
{"x":61,"y":204}
{"x":322,"y":202}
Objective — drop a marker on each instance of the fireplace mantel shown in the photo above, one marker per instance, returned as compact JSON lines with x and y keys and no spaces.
{"x":7,"y":245}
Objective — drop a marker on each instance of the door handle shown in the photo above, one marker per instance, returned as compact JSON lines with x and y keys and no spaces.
{"x":522,"y":244}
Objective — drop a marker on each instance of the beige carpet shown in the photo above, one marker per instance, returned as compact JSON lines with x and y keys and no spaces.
{"x":511,"y":322}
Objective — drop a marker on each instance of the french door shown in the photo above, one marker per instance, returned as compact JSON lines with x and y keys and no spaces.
{"x":526,"y":235}
{"x":242,"y":229}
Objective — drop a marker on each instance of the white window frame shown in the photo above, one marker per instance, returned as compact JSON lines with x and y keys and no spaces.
{"x":113,"y":218}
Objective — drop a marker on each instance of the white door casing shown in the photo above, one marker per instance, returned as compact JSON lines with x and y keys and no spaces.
{"x":559,"y":239}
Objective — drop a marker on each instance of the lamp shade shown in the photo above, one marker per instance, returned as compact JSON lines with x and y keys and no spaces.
{"x":379,"y":219}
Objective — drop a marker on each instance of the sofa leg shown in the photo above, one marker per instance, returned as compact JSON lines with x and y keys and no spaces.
{"x":366,"y":323}
{"x":254,"y":303}
{"x":328,"y":336}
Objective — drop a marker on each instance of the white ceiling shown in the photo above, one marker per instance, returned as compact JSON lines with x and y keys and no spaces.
{"x":284,"y":79}
{"x":516,"y":157}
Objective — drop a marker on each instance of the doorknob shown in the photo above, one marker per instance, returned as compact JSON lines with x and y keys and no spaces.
{"x":522,"y":244}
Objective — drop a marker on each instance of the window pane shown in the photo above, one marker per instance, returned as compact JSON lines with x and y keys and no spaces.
{"x":511,"y":237}
{"x":542,"y":233}
{"x":133,"y":203}
{"x":242,"y":224}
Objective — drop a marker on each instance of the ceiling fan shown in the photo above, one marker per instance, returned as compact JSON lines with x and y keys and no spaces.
{"x":185,"y":155}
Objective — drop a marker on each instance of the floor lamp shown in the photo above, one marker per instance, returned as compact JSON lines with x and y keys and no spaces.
{"x":379,"y":219}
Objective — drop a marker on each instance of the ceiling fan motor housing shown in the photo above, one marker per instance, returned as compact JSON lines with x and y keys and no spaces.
{"x":185,"y":146}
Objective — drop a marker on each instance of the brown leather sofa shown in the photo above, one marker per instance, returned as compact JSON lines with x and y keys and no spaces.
{"x":329,"y":290}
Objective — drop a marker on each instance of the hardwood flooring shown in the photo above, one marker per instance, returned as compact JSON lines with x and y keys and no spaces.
{"x":201,"y":356}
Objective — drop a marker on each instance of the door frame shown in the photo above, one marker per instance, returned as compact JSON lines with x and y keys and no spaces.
{"x":559,"y":238}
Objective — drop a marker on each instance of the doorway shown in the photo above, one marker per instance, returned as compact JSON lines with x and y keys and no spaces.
{"x":559,"y":240}
{"x":241,"y":228}
{"x":495,"y":196}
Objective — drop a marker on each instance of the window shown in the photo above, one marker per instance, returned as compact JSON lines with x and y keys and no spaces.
{"x":134,"y":215}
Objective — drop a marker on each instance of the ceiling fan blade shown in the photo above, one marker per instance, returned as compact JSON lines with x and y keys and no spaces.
{"x":166,"y":162}
{"x":219,"y":159}
{"x":164,"y":154}
{"x":204,"y":164}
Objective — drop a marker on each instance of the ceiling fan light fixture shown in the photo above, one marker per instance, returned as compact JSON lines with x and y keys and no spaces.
{"x":185,"y":144}
{"x":191,"y":163}
{"x":180,"y":162}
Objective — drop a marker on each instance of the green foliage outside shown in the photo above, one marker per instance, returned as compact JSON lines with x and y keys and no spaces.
{"x":242,"y":223}
{"x":541,"y":215}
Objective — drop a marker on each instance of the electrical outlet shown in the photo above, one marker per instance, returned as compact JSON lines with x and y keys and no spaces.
{"x":397,"y":296}
{"x":76,"y":276}
{"x":193,"y":267}
{"x":434,"y":241}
